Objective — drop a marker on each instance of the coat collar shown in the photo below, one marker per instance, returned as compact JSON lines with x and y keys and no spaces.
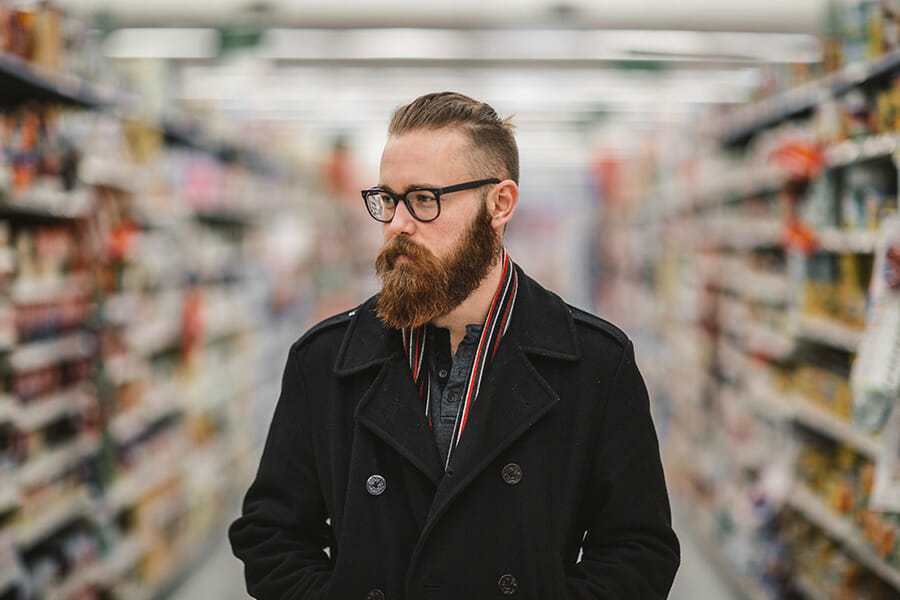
{"x":541,"y":325}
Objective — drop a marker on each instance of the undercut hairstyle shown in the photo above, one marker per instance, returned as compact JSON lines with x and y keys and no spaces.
{"x":491,"y":136}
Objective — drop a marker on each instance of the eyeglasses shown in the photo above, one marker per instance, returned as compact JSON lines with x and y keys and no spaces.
{"x":424,"y":204}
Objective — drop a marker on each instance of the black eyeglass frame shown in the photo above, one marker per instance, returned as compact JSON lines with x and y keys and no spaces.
{"x":458,"y":187}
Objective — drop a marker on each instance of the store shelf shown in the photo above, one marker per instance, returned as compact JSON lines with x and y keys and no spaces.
{"x":764,"y":339}
{"x":43,"y":353}
{"x":155,"y":405}
{"x":795,"y":407}
{"x":801,"y":100}
{"x":108,"y":173}
{"x":7,"y":578}
{"x":23,"y":82}
{"x":767,"y":401}
{"x":843,"y":241}
{"x":44,"y":207}
{"x":744,"y":182}
{"x":39,"y":412}
{"x":178,"y":132}
{"x":9,"y":493}
{"x":859,"y":150}
{"x":121,"y":557}
{"x":50,"y":519}
{"x":8,"y":408}
{"x":829,"y":332}
{"x":741,"y":233}
{"x":50,"y":290}
{"x":756,"y":285}
{"x":796,"y":102}
{"x":154,"y":337}
{"x":50,"y":463}
{"x":819,"y":419}
{"x":843,"y":530}
{"x":809,"y":588}
{"x":133,"y":485}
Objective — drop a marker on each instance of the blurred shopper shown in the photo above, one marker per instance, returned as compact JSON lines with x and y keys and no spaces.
{"x":464,"y":433}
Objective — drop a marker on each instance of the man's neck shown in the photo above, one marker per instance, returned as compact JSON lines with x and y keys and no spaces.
{"x":473,"y":309}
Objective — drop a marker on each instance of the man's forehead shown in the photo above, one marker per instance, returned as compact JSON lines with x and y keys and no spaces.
{"x":421,"y":156}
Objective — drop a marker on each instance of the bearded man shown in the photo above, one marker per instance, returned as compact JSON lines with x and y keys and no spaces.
{"x":464,"y":433}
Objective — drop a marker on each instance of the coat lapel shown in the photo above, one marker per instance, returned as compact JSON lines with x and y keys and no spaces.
{"x":513,"y":397}
{"x":390,"y":408}
{"x":393,"y":411}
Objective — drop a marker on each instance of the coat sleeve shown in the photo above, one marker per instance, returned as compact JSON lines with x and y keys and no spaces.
{"x":281,"y":533}
{"x":630,"y":550}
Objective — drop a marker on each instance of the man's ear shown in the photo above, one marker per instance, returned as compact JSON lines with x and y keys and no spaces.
{"x":502,"y":203}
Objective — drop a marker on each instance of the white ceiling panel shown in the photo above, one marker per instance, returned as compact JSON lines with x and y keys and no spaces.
{"x":724,"y":15}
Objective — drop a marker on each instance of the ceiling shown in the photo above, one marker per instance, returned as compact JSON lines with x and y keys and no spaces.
{"x":802,"y":16}
{"x":561,"y":66}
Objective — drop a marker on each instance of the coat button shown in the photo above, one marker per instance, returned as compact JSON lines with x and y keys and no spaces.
{"x":375,"y":594}
{"x":375,"y":484}
{"x":507,"y":584}
{"x":512,"y":473}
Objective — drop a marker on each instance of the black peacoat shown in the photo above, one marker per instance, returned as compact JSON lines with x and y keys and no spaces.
{"x":560,"y":453}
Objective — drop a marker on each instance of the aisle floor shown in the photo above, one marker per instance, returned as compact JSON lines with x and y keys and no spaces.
{"x":697,"y":578}
{"x":221,"y":576}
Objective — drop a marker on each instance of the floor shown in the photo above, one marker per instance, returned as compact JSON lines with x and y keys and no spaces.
{"x":221,"y":576}
{"x":697,"y":578}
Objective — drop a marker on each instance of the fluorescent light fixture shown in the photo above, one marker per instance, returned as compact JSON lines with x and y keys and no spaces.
{"x":388,"y":43}
{"x":537,"y":45}
{"x":153,"y":42}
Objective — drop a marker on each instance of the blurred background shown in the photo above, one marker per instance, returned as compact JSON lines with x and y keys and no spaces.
{"x":179,"y":203}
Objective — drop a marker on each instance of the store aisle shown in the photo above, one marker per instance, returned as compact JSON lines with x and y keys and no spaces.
{"x":220,"y":576}
{"x":697,"y":578}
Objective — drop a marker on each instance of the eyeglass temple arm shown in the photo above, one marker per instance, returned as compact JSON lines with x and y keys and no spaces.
{"x":467,"y":186}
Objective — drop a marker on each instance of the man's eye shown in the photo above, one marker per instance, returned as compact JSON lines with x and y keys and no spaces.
{"x":423,"y":197}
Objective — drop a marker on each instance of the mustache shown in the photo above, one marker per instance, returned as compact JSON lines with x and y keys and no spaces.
{"x":401,"y":245}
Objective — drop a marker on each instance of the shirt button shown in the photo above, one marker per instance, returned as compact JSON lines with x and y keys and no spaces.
{"x":442,"y":373}
{"x":375,"y":485}
{"x":512,"y":473}
{"x":375,"y":594}
{"x":507,"y":584}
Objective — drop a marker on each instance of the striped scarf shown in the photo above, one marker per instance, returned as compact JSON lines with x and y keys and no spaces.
{"x":495,"y":325}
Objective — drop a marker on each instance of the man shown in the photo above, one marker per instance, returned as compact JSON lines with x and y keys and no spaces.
{"x":464,"y":434}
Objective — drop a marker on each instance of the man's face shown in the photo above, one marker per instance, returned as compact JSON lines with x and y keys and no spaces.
{"x":429,"y":268}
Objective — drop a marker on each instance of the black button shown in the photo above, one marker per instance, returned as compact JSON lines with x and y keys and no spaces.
{"x":375,"y":484}
{"x":512,"y":473}
{"x":375,"y":594}
{"x":442,"y":373}
{"x":507,"y":584}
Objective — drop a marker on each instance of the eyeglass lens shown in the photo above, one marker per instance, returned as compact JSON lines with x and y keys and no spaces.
{"x":422,"y":203}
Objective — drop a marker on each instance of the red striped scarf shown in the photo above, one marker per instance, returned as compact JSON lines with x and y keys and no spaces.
{"x":495,"y":325}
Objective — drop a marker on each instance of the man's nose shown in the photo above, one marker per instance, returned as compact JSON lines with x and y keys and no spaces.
{"x":403,"y":221}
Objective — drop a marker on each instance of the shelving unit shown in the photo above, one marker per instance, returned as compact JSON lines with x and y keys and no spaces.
{"x":751,"y":270}
{"x":135,"y":367}
{"x":844,"y":531}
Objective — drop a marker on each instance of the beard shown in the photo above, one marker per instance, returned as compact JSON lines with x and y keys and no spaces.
{"x":424,"y":286}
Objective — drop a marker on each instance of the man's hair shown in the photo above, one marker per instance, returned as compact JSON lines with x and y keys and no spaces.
{"x":488,"y":133}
